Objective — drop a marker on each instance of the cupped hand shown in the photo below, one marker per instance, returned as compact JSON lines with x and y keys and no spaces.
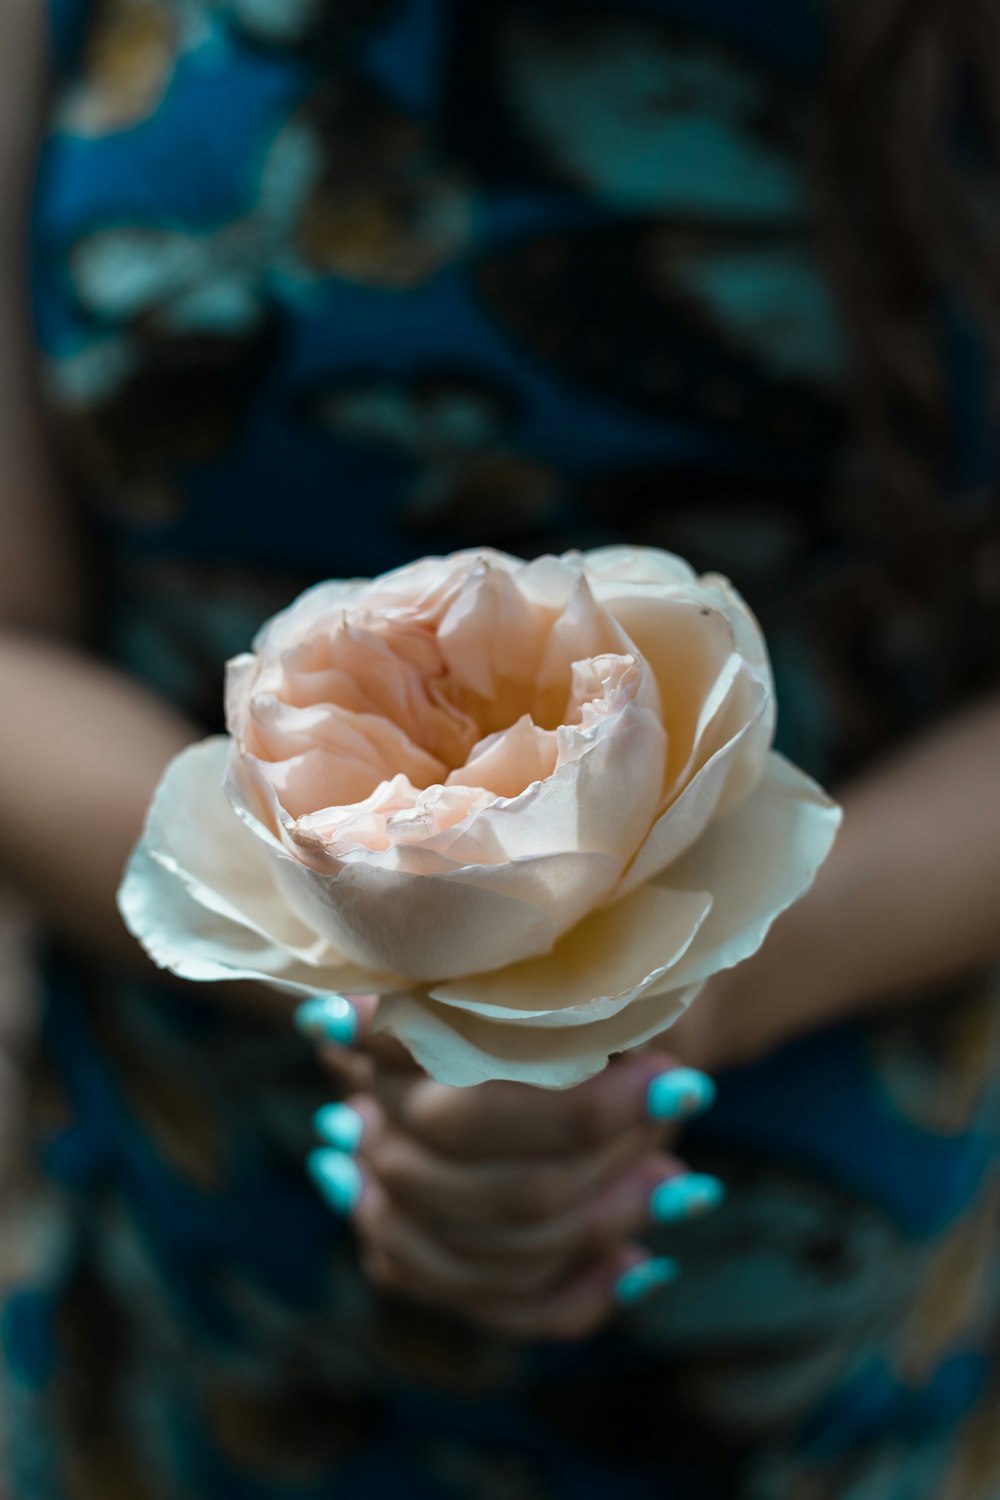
{"x":512,"y":1205}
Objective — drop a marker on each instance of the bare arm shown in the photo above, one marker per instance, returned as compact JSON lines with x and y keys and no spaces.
{"x":910,"y":896}
{"x":81,"y":746}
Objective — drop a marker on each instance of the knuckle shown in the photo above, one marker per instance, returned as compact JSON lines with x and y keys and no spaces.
{"x":377,"y":1223}
{"x":572,"y":1323}
{"x":393,"y":1165}
{"x":438,"y":1119}
{"x":593,"y":1116}
{"x":528,"y":1199}
{"x":382,"y":1271}
{"x":500,"y":1318}
{"x":532,"y":1280}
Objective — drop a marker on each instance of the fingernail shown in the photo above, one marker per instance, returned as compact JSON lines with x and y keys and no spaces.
{"x":685,"y":1196}
{"x":328,"y":1018}
{"x":339,"y":1125}
{"x":678,"y":1094}
{"x":338,"y":1178}
{"x":645,"y":1277}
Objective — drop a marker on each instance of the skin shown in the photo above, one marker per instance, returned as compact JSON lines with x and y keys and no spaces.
{"x":511,"y":1206}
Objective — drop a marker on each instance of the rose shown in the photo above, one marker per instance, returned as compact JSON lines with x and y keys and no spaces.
{"x":531,"y":805}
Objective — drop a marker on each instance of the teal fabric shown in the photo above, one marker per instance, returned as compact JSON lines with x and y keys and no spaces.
{"x":321,"y":287}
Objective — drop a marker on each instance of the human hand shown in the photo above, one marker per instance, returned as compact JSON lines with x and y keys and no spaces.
{"x":511,"y":1205}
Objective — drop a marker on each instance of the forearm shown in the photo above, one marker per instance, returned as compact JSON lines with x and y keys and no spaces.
{"x":81,"y":750}
{"x":909,"y":896}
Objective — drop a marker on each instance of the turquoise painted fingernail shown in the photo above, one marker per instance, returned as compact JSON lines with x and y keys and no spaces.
{"x":339,"y":1125}
{"x":678,"y":1094}
{"x":645,"y":1277}
{"x":338,"y":1178}
{"x":328,"y":1018}
{"x":685,"y":1196}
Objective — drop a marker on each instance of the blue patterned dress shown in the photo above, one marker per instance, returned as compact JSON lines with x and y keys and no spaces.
{"x":322,"y":285}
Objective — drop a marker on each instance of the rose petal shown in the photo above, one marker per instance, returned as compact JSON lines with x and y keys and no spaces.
{"x":461,"y":1049}
{"x":756,"y":861}
{"x":491,"y":634}
{"x":201,"y":893}
{"x":315,"y":778}
{"x":396,"y":813}
{"x":506,"y":763}
{"x":581,"y":630}
{"x":752,"y":648}
{"x":643,"y":565}
{"x":197,"y":943}
{"x":191,"y":829}
{"x":702,"y":799}
{"x":399,"y":669}
{"x":424,"y":589}
{"x":319,"y":605}
{"x":687,"y":644}
{"x":602,"y":797}
{"x":325,"y":756}
{"x":606,"y":961}
{"x":193,"y":940}
{"x":436,"y":926}
{"x":240,"y":675}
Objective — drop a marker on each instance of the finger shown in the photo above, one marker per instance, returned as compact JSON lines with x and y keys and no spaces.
{"x":516,"y":1119}
{"x":354,"y":1072}
{"x":574,"y":1306}
{"x":585,"y":1302}
{"x":411,"y":1260}
{"x":547,"y":1297}
{"x":560,"y":1206}
{"x":468,"y":1199}
{"x":341,"y":1029}
{"x":337,"y":1022}
{"x":658,"y":1189}
{"x":422,"y":1267}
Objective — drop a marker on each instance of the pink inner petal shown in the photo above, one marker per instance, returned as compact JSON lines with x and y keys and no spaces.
{"x":326,"y":756}
{"x":432,"y":693}
{"x":581,"y":630}
{"x":507,"y":762}
{"x":317,"y":779}
{"x":492,"y":632}
{"x":389,"y":668}
{"x":396,"y":812}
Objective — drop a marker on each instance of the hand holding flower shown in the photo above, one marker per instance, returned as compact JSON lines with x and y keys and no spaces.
{"x":514,"y":1206}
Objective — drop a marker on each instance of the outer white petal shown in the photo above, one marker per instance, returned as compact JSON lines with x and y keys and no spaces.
{"x":687,"y":631}
{"x":436,"y":926}
{"x":194,"y":942}
{"x":689,"y":814}
{"x":756,"y":861}
{"x":719,"y":592}
{"x":752,"y":648}
{"x":461,"y":1049}
{"x":192,"y":830}
{"x":606,"y":962}
{"x":647,"y":565}
{"x":201,"y":873}
{"x":687,"y":644}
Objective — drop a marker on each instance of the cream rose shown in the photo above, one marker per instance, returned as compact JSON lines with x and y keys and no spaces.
{"x":531,"y":805}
